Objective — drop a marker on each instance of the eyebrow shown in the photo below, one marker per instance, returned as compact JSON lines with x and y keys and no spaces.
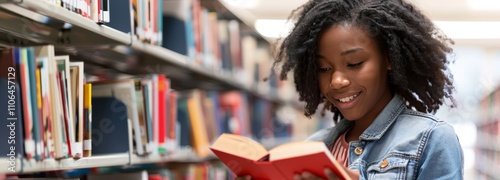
{"x":345,"y":53}
{"x":350,"y":51}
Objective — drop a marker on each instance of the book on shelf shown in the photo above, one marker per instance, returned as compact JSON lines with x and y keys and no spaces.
{"x":87,"y":133}
{"x":50,"y":90}
{"x":124,"y":90}
{"x":111,"y":128}
{"x":77,"y":98}
{"x":244,"y":156}
{"x":11,"y":114}
{"x":139,"y":175}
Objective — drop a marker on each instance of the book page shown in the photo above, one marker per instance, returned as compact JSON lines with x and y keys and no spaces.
{"x":240,"y":146}
{"x":312,"y":156}
{"x":294,"y":149}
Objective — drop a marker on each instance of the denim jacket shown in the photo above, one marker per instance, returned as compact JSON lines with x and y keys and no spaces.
{"x":401,"y":144}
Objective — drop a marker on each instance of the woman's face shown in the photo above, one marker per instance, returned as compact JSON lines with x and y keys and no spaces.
{"x":352,"y":72}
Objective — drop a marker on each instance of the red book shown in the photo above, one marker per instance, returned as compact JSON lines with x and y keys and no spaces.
{"x":162,"y":116}
{"x":244,"y":156}
{"x":172,"y":110}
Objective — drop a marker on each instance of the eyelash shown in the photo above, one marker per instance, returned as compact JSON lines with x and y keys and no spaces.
{"x":324,"y":69}
{"x":354,"y":65}
{"x":348,"y":65}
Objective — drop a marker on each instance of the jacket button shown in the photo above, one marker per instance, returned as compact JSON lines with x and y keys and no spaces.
{"x":384,"y":163}
{"x":358,"y":150}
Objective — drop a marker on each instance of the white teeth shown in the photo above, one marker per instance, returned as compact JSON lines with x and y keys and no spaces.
{"x":347,"y":99}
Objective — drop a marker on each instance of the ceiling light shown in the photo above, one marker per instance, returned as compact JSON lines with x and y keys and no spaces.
{"x":484,"y":4}
{"x":243,"y":3}
{"x":470,"y":29}
{"x":273,"y":28}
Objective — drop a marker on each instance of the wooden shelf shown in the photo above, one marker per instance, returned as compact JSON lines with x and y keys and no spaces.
{"x":111,"y":49}
{"x":100,"y":161}
{"x":185,"y":75}
{"x":181,"y":156}
{"x":70,"y":163}
{"x":184,"y":156}
{"x":36,"y":22}
{"x":10,"y":166}
{"x":38,"y":19}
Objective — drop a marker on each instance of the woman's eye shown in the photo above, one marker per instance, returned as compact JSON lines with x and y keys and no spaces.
{"x":354,"y":65}
{"x":324,"y":69}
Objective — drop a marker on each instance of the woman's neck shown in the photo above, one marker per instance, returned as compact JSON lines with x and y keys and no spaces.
{"x":362,"y":124}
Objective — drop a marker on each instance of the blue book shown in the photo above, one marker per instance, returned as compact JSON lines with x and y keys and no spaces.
{"x":184,"y":122}
{"x":11,"y":120}
{"x":110,"y":132}
{"x":119,"y":16}
{"x":175,"y":35}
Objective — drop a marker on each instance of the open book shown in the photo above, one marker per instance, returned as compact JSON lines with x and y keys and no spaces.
{"x":245,"y":156}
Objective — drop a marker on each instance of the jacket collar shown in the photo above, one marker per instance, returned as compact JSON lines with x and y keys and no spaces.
{"x":378,"y":127}
{"x":384,"y":120}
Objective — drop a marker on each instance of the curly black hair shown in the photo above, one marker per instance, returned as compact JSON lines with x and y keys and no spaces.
{"x":415,"y":48}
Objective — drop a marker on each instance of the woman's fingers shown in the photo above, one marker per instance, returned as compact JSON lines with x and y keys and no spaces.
{"x":297,"y":177}
{"x":353,"y":174}
{"x":309,"y":176}
{"x":247,"y":177}
{"x":330,"y":175}
{"x":306,"y":176}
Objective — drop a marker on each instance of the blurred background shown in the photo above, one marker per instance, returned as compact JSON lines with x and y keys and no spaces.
{"x":474,"y":25}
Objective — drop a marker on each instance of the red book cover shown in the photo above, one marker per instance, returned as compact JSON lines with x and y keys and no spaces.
{"x":242,"y":166}
{"x":162,"y":112}
{"x":197,"y":24}
{"x":244,"y":156}
{"x":21,"y":62}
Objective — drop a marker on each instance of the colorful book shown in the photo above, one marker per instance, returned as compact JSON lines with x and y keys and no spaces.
{"x":244,"y":156}
{"x":87,"y":109}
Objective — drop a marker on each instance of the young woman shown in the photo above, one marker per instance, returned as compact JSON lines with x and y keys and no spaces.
{"x":381,"y":67}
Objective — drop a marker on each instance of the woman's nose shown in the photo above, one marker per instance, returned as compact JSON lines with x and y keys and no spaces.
{"x":339,"y":81}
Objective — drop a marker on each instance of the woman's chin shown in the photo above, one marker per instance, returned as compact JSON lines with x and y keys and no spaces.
{"x":351,"y":114}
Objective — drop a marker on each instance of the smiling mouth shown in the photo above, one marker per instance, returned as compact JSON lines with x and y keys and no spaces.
{"x":348,"y":99}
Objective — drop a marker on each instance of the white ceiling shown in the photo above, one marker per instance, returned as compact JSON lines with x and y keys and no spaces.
{"x":439,"y":10}
{"x":435,"y":9}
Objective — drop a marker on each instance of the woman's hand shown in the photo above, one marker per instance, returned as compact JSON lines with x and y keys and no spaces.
{"x":247,"y":177}
{"x":353,"y":174}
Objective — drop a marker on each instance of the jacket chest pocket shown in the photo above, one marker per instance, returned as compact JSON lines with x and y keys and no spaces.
{"x":389,"y":168}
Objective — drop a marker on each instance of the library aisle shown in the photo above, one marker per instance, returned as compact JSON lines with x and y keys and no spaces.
{"x":139,"y":89}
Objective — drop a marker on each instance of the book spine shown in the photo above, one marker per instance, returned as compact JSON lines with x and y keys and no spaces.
{"x":87,"y":135}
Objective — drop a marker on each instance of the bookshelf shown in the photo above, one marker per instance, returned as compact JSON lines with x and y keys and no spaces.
{"x":103,"y":161}
{"x":70,"y":163}
{"x":101,"y":43}
{"x":164,"y":60}
{"x":230,"y":12}
{"x":488,"y":137}
{"x":102,"y":48}
{"x":27,"y":14}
